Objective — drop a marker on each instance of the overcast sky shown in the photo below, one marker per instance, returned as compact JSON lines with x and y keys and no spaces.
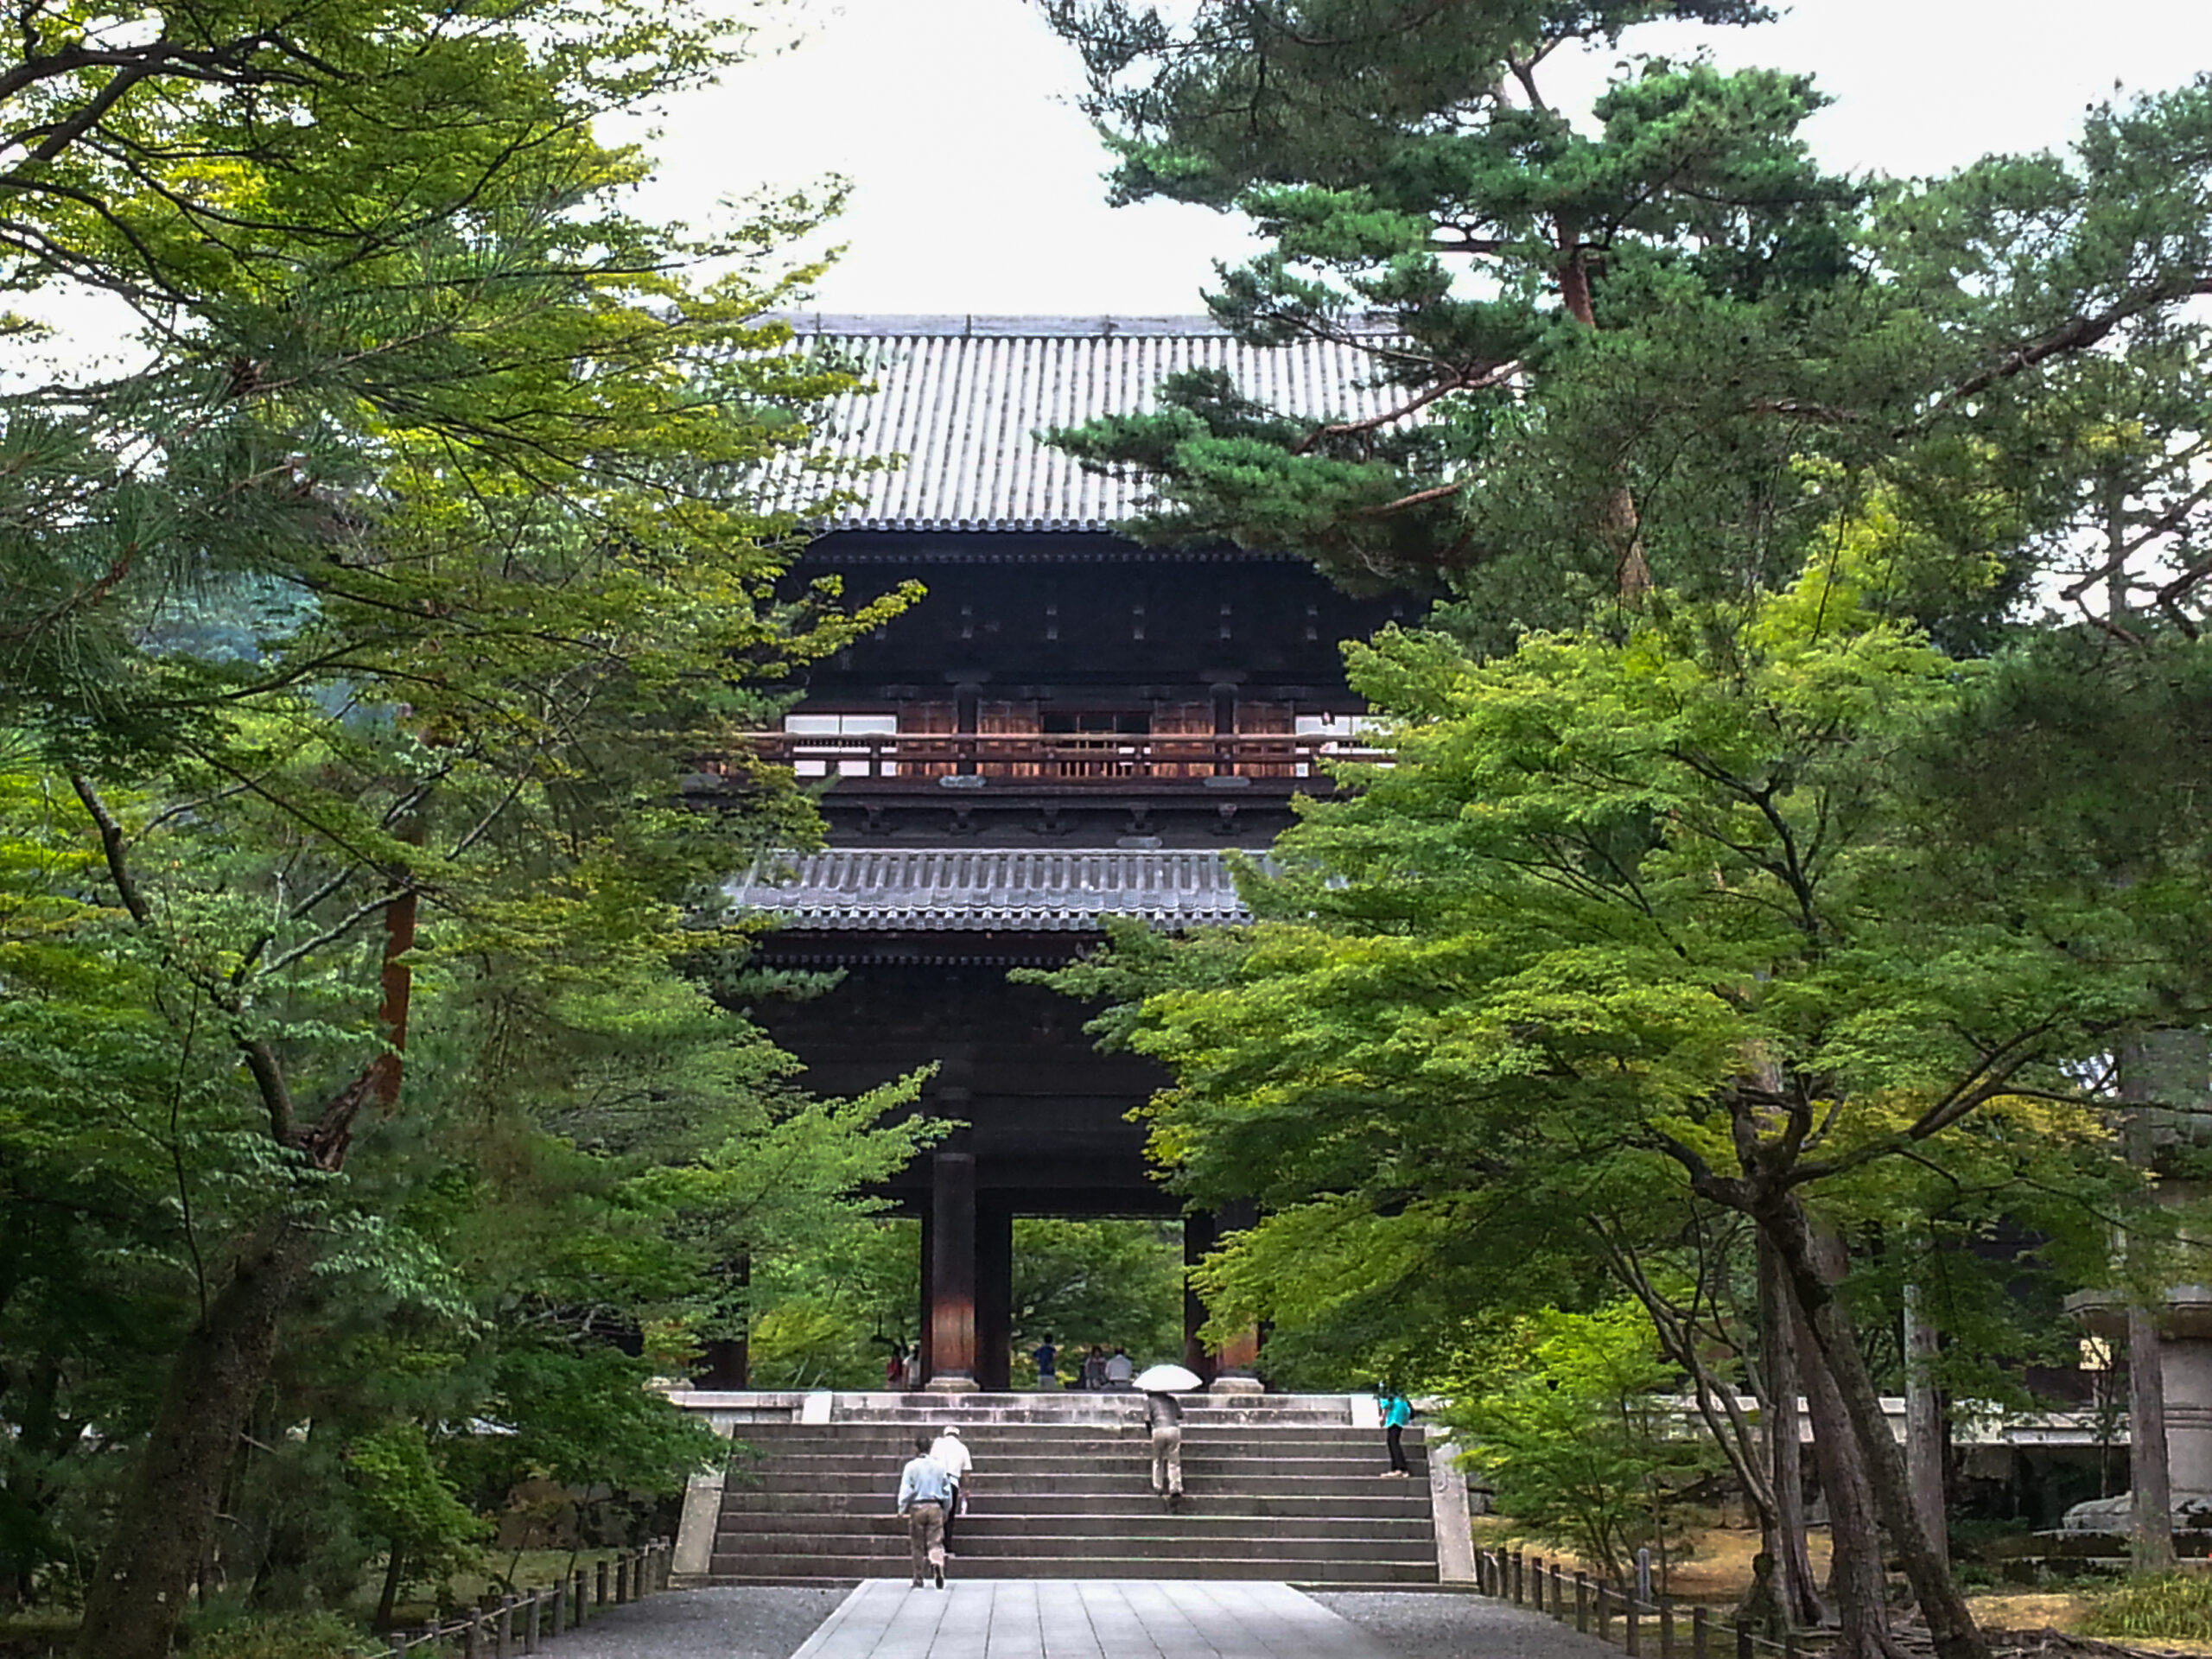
{"x":976,"y":178}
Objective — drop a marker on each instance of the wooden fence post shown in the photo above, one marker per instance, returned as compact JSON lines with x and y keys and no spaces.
{"x":1666,"y":1627}
{"x":560,"y":1607}
{"x":531,"y":1605}
{"x":1700,"y":1634}
{"x":472,"y":1637}
{"x":1604,"y":1612}
{"x":1742,"y":1640}
{"x":599,"y":1584}
{"x":583,"y":1605}
{"x":1516,"y":1578}
{"x":1634,"y":1645}
{"x":1581,"y":1602}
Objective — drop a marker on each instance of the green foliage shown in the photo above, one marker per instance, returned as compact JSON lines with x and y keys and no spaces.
{"x":830,"y":1316}
{"x":1493,"y":1024}
{"x":293,"y":1636}
{"x":358,"y":637}
{"x":1568,"y":1422}
{"x":406,"y":1500}
{"x":2175,"y":1606}
{"x":1108,"y":1282}
{"x":1610,"y":341}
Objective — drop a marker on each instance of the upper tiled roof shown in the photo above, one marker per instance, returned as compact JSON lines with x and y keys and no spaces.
{"x":962,"y":400}
{"x":887,"y":889}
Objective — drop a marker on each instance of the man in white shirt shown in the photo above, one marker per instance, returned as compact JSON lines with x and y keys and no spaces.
{"x":1120,"y":1369}
{"x":925,"y":1494}
{"x":952,"y":1453}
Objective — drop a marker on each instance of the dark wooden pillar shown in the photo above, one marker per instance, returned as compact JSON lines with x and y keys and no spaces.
{"x":923,"y":1355}
{"x":952,"y":1271}
{"x":966,"y":712}
{"x":1236,"y":1363}
{"x":995,"y":1294}
{"x":1198,"y":1239}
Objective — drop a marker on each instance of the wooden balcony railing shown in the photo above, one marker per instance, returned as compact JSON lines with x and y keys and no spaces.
{"x":1086,"y":757}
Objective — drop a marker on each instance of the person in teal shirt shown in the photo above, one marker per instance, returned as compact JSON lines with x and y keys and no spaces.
{"x":1397,"y":1412}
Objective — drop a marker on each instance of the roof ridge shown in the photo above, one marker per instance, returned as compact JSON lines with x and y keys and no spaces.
{"x":896,"y":325}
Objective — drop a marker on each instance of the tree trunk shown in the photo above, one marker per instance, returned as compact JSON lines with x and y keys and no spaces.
{"x":1858,"y":1586}
{"x":1620,"y":524}
{"x":2151,"y":1498}
{"x":2162,"y":1067}
{"x":1924,"y":1427}
{"x":1826,"y":1323}
{"x":395,"y":1577}
{"x":162,"y":1526}
{"x":1801,"y":1591}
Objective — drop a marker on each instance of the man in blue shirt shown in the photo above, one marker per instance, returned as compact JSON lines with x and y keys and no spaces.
{"x":925,"y":1494}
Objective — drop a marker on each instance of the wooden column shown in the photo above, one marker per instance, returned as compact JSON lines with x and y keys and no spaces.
{"x":1236,"y":1363}
{"x":995,"y":1294}
{"x":966,"y":698}
{"x":922,"y":1344}
{"x":952,"y":1272}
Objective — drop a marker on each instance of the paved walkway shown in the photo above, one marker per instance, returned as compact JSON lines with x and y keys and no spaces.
{"x":1086,"y":1618}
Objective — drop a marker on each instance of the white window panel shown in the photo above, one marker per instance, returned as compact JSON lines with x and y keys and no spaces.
{"x":834,"y":726}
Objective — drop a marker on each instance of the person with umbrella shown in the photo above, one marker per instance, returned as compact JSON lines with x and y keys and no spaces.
{"x":1163,"y":1416}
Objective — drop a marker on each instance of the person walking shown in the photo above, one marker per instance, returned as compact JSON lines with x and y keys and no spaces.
{"x":1163,"y":1415}
{"x":1094,"y":1368}
{"x":952,"y":1456}
{"x":924,"y":1493}
{"x":1397,"y":1412}
{"x":1120,"y":1369}
{"x":1048,"y":1363}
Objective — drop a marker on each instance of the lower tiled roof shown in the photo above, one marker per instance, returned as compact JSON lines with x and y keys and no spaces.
{"x":977,"y":890}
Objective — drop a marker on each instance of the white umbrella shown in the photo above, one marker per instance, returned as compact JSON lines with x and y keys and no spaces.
{"x":1166,"y":1379}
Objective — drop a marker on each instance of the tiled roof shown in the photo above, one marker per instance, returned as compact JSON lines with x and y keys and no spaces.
{"x":961,"y":401}
{"x":904,"y":889}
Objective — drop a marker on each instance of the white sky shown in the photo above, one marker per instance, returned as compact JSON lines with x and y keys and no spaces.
{"x":976,"y":180}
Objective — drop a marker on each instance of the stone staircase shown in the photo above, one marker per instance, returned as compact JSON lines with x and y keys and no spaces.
{"x":1277,"y":1487}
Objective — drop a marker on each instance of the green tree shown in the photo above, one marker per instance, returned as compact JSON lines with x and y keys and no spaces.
{"x":1572,"y":1428}
{"x":1608,"y":346}
{"x":1110,"y":1282}
{"x":1627,"y":918}
{"x":429,"y":547}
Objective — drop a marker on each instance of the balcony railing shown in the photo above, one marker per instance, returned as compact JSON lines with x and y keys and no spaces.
{"x":1058,"y":757}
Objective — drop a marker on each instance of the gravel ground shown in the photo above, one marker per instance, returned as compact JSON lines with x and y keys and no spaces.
{"x":1434,"y":1625}
{"x":729,"y":1621}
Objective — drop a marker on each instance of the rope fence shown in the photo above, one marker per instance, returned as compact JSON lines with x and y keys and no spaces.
{"x":507,"y":1626}
{"x":1598,"y":1609}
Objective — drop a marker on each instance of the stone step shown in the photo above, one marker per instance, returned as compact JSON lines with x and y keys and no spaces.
{"x":1395,"y":1501}
{"x":1192,"y":1520}
{"x":1280,"y":1487}
{"x":1155,"y":1546}
{"x":807,"y":1569}
{"x":1096,"y":1483}
{"x":1015,"y":1468}
{"x":1083,"y":1408}
{"x":992,"y":1446}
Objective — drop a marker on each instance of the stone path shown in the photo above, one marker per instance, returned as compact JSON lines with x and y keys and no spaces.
{"x":1086,"y":1618}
